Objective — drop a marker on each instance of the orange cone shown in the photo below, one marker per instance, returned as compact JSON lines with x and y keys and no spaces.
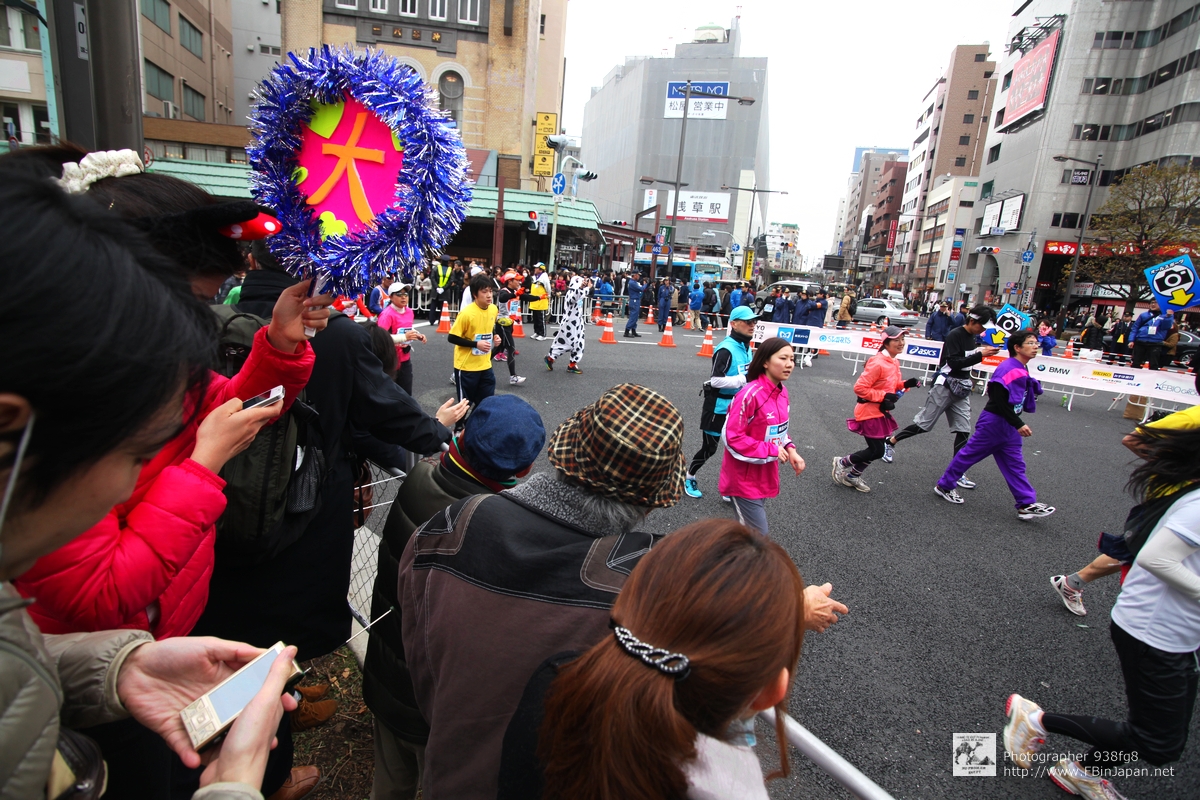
{"x":1070,"y":351}
{"x":822,"y":352}
{"x":518,"y":331}
{"x":607,"y":337}
{"x":444,"y":322}
{"x":687,"y":321}
{"x":650,"y":315}
{"x":668,"y":339}
{"x":595,"y":313}
{"x":706,"y":349}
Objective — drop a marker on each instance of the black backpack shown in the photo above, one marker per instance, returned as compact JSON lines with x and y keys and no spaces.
{"x":273,"y":487}
{"x":853,"y":306}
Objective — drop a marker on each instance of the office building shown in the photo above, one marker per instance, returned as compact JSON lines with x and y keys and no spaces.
{"x":23,"y":109}
{"x":1079,"y":79}
{"x":496,"y":67}
{"x":631,"y":131}
{"x":951,"y":126}
{"x":880,"y":239}
{"x":861,"y":186}
{"x":257,"y":49}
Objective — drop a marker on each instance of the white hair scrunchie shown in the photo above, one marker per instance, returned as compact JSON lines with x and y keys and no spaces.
{"x":77,"y":178}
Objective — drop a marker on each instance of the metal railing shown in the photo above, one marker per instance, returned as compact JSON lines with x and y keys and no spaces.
{"x":827,"y":758}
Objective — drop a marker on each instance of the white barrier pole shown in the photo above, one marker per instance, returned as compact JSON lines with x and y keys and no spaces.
{"x":827,"y":758}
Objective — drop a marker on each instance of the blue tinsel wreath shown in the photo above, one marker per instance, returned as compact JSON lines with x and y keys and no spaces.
{"x":432,"y":191}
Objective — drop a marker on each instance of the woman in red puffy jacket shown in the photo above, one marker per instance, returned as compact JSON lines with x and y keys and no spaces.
{"x":147,"y":564}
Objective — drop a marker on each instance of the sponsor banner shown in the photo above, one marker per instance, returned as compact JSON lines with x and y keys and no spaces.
{"x":1177,"y":387}
{"x":923,"y":351}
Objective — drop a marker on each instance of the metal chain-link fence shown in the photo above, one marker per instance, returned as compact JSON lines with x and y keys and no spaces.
{"x":383,"y":487}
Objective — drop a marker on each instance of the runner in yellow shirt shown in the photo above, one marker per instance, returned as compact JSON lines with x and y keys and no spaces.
{"x":473,"y":336}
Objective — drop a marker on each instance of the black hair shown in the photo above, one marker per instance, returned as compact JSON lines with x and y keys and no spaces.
{"x":383,"y":347}
{"x":42,"y":161}
{"x":766,"y":349}
{"x":480,"y":282}
{"x":1018,"y":338}
{"x":127,"y":352}
{"x":264,"y":257}
{"x":1169,"y":461}
{"x":983,"y":314}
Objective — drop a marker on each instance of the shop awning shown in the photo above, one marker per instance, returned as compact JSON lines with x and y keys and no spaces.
{"x":222,"y":180}
{"x":580,"y":215}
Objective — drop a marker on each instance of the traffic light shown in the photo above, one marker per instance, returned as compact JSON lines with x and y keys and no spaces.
{"x":621,"y":222}
{"x":557,"y":142}
{"x":995,"y":251}
{"x":585,"y":174}
{"x":533,"y":220}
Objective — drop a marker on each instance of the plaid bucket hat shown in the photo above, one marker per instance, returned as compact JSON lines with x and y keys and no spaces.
{"x":628,"y":445}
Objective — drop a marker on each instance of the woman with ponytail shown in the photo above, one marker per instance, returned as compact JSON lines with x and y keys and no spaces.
{"x":706,"y":633}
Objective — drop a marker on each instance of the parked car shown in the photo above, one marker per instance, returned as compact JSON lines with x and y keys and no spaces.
{"x":874,"y":309}
{"x":1189,"y":343}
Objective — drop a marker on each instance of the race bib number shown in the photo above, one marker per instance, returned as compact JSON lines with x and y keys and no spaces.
{"x":514,"y":308}
{"x":1153,"y":329}
{"x":479,"y":337}
{"x":777,"y":434}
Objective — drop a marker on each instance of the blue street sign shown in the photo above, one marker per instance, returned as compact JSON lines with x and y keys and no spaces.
{"x":675,"y":89}
{"x":735,"y":248}
{"x":660,"y":250}
{"x":559,"y":184}
{"x":1027,"y":256}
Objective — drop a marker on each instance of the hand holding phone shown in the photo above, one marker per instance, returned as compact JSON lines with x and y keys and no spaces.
{"x":267,"y":398}
{"x":159,"y":678}
{"x":228,"y":430}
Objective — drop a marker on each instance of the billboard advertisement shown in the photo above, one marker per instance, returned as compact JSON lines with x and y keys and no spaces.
{"x":891,"y":240}
{"x":702,"y":107}
{"x":693,"y":206}
{"x":1010,"y":213}
{"x":1031,"y":80}
{"x":991,"y":216}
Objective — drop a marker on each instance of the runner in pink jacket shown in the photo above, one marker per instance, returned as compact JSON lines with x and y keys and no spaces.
{"x":756,"y":435}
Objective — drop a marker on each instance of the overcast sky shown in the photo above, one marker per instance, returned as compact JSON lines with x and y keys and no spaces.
{"x":840,"y":75}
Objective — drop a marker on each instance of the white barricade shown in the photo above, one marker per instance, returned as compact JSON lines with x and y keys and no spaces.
{"x":921,"y":356}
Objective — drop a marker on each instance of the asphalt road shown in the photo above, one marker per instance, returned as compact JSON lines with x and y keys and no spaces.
{"x":951,"y":607}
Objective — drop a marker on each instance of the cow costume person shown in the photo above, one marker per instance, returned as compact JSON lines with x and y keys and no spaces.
{"x":570,"y":333}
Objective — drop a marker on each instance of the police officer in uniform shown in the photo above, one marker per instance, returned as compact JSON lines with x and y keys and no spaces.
{"x":441,"y":282}
{"x":730,"y":360}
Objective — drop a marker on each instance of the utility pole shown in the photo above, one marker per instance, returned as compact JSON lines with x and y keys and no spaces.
{"x":116,"y":74}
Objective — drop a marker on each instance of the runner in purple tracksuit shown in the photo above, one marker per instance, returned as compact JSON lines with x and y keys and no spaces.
{"x":998,"y":432}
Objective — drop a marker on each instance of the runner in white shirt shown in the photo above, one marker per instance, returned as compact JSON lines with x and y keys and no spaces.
{"x":1155,"y":630}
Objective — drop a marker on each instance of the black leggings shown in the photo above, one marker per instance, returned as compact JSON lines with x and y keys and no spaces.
{"x":863,"y":458}
{"x":404,"y":375}
{"x":508,"y":346}
{"x":1160,"y":689}
{"x":707,"y":449}
{"x":960,"y":437}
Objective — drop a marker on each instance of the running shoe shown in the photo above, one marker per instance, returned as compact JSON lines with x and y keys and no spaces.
{"x":966,"y":483}
{"x":515,"y":380}
{"x":1071,"y":777}
{"x":725,"y":499}
{"x":549,"y":363}
{"x":1023,"y":734}
{"x":501,"y":357}
{"x":574,"y":370}
{"x":951,"y":496}
{"x":889,"y":453}
{"x":1072,"y":598}
{"x":453,"y":381}
{"x":855,"y":482}
{"x":692,"y":489}
{"x":1034,"y":510}
{"x":839,"y":472}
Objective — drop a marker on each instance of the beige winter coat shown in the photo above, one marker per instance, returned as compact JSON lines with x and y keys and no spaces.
{"x":69,"y":679}
{"x":843,"y":314}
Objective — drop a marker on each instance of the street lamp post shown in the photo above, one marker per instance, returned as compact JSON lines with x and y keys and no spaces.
{"x":1083,"y":224}
{"x":688,"y":93}
{"x":754,"y":193}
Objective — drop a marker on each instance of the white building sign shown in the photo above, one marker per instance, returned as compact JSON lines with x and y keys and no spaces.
{"x":1010,"y":214}
{"x":693,"y":206}
{"x":991,"y":216}
{"x":702,"y":107}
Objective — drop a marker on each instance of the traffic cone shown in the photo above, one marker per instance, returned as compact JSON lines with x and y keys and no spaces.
{"x":706,"y":349}
{"x":444,"y":322}
{"x":1070,"y":351}
{"x":595,"y":313}
{"x":607,"y":337}
{"x":668,"y":339}
{"x":687,"y":321}
{"x":518,"y":331}
{"x":650,"y":315}
{"x":822,"y":352}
